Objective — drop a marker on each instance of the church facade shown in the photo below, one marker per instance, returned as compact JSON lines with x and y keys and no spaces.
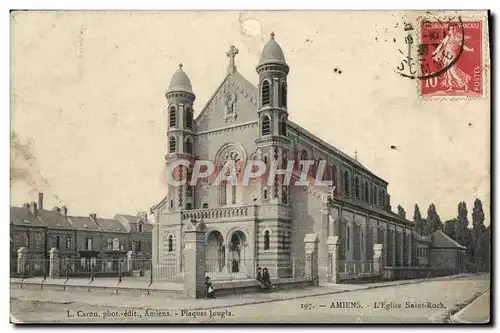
{"x":264,"y":224}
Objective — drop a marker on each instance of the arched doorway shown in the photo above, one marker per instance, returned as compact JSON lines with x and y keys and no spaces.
{"x":237,"y":245}
{"x":215,"y":252}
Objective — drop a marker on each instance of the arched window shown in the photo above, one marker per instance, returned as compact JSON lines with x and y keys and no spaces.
{"x":348,"y":237}
{"x":266,"y":125}
{"x":170,"y":243}
{"x":205,"y":205}
{"x":172,"y":116}
{"x":266,"y":240}
{"x":173,"y":145}
{"x":189,"y":206}
{"x":356,"y":187}
{"x":366,"y":191}
{"x":383,"y":198}
{"x":283,"y":94}
{"x":283,"y":126}
{"x":171,"y":203}
{"x":266,"y":93}
{"x":233,"y":194}
{"x":346,"y":183}
{"x":189,"y":118}
{"x":188,"y":146}
{"x":223,"y":192}
{"x":303,"y":157}
{"x":374,"y":195}
{"x":334,"y":177}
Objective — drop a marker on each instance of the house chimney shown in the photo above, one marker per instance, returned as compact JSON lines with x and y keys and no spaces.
{"x":93,"y":216}
{"x":26,"y":205}
{"x":33,"y":209}
{"x":143,"y":215}
{"x":64,"y":211}
{"x":56,"y":209}
{"x":40,"y":200}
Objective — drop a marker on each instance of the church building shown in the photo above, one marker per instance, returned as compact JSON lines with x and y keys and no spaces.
{"x":262,"y":225}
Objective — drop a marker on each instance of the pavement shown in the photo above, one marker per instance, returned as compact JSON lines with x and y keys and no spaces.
{"x":477,"y":312}
{"x":430,"y":301}
{"x":110,"y":299}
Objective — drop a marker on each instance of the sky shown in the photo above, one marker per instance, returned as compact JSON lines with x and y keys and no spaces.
{"x":88,"y":104}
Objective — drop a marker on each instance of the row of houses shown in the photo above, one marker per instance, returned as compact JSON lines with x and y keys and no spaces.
{"x":79,"y":239}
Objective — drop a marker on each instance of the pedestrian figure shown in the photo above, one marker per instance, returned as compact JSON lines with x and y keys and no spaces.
{"x":266,"y":278}
{"x":210,"y":288}
{"x":259,"y":278}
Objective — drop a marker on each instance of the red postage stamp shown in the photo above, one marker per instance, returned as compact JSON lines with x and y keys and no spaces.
{"x":451,"y":58}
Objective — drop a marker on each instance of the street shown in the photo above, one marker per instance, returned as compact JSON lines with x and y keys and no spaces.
{"x":411,"y":303}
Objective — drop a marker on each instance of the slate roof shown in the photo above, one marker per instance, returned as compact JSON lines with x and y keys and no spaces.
{"x":442,"y":240}
{"x":333,"y":149}
{"x":22,"y":216}
{"x":131,"y":218}
{"x":110,"y":225}
{"x":83,"y":223}
{"x":126,"y":220}
{"x":54,"y":220}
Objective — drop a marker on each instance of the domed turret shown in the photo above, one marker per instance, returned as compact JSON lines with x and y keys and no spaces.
{"x":272,"y":53}
{"x":180,"y":82}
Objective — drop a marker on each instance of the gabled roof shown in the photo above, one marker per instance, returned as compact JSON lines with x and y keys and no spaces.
{"x":127,"y":220}
{"x":131,"y":218}
{"x":83,"y":223}
{"x":54,"y":220}
{"x":110,"y":225}
{"x":203,"y":110}
{"x":442,"y":240}
{"x":247,"y":85}
{"x":22,"y":216}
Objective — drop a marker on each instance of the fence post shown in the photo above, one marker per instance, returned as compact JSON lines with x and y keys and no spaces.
{"x":129,"y":267}
{"x":311,"y":248}
{"x":333,"y":243}
{"x":194,"y":251}
{"x":119,"y":270}
{"x":378,"y":255}
{"x":54,"y":263}
{"x":91,"y":271}
{"x":22,"y":258}
{"x":151,"y":269}
{"x":44,"y":263}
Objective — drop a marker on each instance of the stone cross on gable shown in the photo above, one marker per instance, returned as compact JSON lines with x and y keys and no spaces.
{"x":233,"y":51}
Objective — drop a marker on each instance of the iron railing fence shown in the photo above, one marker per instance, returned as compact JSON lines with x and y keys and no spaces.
{"x":355,"y":268}
{"x":239,"y":269}
{"x":168,"y":270}
{"x":97,"y":268}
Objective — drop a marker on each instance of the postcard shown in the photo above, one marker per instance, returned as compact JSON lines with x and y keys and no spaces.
{"x":250,"y":167}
